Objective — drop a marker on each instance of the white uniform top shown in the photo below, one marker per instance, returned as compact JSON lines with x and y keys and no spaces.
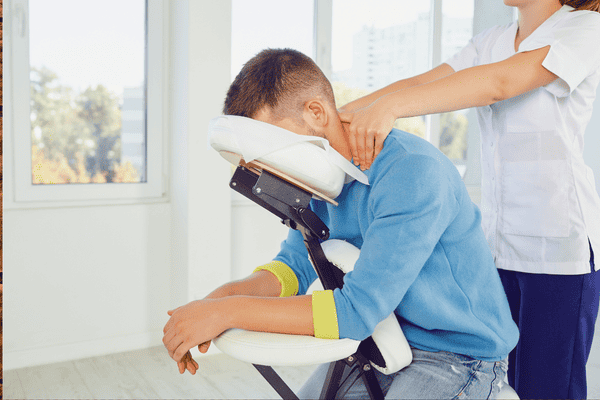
{"x":539,"y":204}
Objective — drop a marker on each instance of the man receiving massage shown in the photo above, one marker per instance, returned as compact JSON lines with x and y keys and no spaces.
{"x":423,"y":256}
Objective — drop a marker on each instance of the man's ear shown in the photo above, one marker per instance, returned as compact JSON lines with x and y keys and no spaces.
{"x":316,"y":114}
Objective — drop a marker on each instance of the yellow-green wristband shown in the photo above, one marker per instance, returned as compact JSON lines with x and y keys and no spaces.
{"x":285,"y":275}
{"x":324,"y":315}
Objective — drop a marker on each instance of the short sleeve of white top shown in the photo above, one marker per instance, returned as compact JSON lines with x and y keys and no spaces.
{"x":539,"y":204}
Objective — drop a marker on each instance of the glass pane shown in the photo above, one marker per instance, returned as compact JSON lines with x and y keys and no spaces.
{"x":457,"y":30}
{"x":87,"y":91}
{"x":261,"y":24}
{"x":376,"y":43}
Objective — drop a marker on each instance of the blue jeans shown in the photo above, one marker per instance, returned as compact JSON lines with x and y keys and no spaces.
{"x":439,"y":375}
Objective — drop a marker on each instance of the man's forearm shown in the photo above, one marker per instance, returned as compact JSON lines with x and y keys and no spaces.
{"x":291,"y":315}
{"x":260,"y":283}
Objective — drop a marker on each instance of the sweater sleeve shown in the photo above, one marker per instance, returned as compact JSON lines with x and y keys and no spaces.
{"x":410,"y":207}
{"x":293,"y":253}
{"x":285,"y":276}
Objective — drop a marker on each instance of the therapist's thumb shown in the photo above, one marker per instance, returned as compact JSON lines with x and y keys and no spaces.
{"x":346,"y":117}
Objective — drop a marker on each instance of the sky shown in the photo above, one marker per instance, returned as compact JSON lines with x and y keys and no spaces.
{"x":87,"y":42}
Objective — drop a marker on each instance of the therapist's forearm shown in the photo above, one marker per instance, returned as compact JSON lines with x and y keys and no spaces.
{"x":472,"y":87}
{"x":291,"y":315}
{"x":429,"y":76}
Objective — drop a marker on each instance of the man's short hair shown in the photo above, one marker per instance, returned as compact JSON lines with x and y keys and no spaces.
{"x":281,"y":79}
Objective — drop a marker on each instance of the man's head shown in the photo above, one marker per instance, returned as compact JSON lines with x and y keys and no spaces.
{"x":286,"y":88}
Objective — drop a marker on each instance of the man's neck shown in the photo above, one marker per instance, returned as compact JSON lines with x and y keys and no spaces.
{"x":338,"y":138}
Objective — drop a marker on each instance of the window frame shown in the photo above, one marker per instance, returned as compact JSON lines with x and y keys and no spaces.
{"x":22,"y":193}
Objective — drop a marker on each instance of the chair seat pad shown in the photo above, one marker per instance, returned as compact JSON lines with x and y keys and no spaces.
{"x":277,"y":349}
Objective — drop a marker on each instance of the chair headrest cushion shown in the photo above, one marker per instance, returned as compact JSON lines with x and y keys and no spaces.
{"x":309,"y":159}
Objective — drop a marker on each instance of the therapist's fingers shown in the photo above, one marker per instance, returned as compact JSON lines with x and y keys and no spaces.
{"x":352,"y":142}
{"x":361,"y":149}
{"x":369,"y":150}
{"x":346,"y":116}
{"x":379,"y":139}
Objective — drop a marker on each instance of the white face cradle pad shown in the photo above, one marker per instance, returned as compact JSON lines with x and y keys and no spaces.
{"x":308,"y":159}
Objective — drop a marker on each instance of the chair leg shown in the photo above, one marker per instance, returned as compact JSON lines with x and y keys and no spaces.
{"x":336,"y":371}
{"x":332,"y":380}
{"x":276,"y":382}
{"x":372,"y":384}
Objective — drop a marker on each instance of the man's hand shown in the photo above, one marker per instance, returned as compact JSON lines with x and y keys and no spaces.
{"x":367,"y":129}
{"x":187,"y":362}
{"x":194,"y":324}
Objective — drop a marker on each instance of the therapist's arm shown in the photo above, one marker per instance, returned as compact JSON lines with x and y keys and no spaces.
{"x":429,"y":76}
{"x":472,"y":87}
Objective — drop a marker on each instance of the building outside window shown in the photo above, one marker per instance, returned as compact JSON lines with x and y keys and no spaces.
{"x":382,"y":41}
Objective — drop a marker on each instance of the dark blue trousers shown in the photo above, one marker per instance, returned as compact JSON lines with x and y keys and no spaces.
{"x":556,"y":315}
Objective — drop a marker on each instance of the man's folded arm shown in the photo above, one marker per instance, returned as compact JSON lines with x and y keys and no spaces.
{"x":261,"y":283}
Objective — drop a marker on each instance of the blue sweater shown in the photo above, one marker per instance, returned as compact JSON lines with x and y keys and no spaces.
{"x":423,"y":255}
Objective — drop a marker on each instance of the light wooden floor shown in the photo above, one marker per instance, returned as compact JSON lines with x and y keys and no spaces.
{"x":146,"y":374}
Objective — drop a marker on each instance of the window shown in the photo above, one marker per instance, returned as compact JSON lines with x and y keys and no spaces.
{"x":379,"y":42}
{"x":376,"y":43}
{"x":86,"y":83}
{"x":261,"y":24}
{"x":456,"y":31}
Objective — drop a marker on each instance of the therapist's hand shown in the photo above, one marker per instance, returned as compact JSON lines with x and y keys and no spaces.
{"x":194,"y":324}
{"x":367,"y":129}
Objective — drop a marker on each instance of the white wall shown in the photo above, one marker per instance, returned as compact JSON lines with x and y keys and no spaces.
{"x":83,"y":281}
{"x":209,"y":205}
